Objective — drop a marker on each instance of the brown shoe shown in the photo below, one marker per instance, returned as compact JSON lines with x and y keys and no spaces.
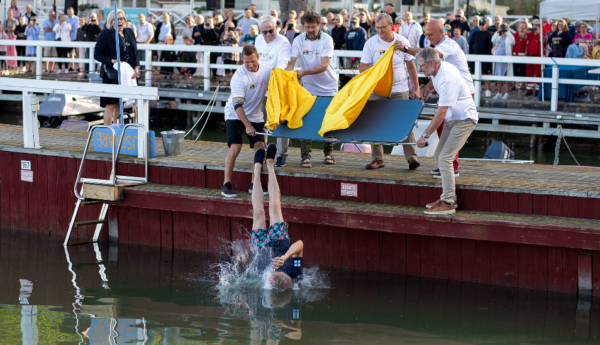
{"x":431,"y":204}
{"x":413,"y":163}
{"x":375,"y":165}
{"x":441,"y":208}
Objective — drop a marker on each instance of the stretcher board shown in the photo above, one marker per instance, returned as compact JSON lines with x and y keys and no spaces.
{"x":387,"y":121}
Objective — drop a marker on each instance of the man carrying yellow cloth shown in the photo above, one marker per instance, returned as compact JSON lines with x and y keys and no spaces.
{"x":374,"y":49}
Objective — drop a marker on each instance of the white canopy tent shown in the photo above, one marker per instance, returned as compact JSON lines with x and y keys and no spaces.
{"x":574,"y":10}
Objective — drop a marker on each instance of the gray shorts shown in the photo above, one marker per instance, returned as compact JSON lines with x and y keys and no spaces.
{"x":50,"y":52}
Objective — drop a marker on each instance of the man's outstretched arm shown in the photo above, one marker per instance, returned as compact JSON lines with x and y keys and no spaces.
{"x":296,"y":250}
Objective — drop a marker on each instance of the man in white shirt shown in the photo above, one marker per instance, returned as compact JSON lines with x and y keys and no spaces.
{"x":317,"y":74}
{"x":145,"y":35}
{"x":243,"y":113}
{"x":449,"y":51}
{"x":411,"y":30}
{"x":245,"y":23}
{"x":457,"y":109}
{"x":273,"y":50}
{"x":402,"y":62}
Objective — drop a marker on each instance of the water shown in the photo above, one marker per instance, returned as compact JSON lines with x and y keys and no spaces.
{"x":143,"y":295}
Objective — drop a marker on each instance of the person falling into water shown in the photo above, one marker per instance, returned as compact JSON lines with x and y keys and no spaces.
{"x":272,"y":245}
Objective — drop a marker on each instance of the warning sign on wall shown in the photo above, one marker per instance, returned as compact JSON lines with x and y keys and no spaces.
{"x":349,"y":189}
{"x":27,"y":175}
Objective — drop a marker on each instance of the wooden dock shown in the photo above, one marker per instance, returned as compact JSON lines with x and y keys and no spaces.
{"x":529,"y":226}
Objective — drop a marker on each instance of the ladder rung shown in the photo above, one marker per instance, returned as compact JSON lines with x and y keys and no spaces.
{"x":88,"y":203}
{"x":76,"y":243}
{"x":89,"y":222}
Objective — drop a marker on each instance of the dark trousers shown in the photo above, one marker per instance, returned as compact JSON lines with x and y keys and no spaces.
{"x":63,"y":53}
{"x":21,"y":52}
{"x":213,"y":59}
{"x":3,"y":62}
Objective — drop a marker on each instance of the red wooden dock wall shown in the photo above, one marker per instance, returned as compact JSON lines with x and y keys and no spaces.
{"x":47,"y":204}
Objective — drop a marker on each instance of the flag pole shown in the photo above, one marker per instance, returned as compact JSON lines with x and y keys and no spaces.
{"x":118,"y":55}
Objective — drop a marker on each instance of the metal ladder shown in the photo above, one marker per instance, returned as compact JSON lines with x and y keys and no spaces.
{"x":114,"y":180}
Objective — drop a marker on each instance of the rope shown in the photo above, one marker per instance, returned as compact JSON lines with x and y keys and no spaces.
{"x":208,"y":116}
{"x":558,"y":140}
{"x":567,"y":145}
{"x":213,"y":97}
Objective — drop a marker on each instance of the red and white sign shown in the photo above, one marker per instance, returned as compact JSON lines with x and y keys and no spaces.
{"x":349,"y":189}
{"x":27,"y":175}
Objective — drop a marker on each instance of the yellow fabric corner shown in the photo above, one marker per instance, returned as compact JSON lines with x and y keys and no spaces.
{"x":350,"y":100}
{"x":288,"y":100}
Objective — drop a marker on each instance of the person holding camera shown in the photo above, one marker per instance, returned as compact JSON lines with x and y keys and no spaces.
{"x":229,"y":38}
{"x":210,"y":37}
{"x":290,"y":31}
{"x":461,"y":22}
{"x":534,"y":50}
{"x":503,"y":42}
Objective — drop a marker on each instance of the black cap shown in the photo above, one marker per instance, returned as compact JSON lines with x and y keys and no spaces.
{"x":481,"y":21}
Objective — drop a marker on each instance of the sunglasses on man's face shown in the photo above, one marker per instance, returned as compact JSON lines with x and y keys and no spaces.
{"x":268,"y":32}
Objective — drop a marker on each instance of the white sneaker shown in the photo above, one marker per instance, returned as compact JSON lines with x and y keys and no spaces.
{"x":58,"y":72}
{"x":498,"y":96}
{"x":505,"y":96}
{"x":24,"y":69}
{"x":488,"y":93}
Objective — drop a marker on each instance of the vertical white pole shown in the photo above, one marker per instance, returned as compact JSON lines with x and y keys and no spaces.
{"x":477,"y":83}
{"x":206,"y":71}
{"x":493,"y":13}
{"x":554,"y":99}
{"x":31,"y":138}
{"x":92,"y":62}
{"x":148,"y":67}
{"x":38,"y":62}
{"x":142,"y":118}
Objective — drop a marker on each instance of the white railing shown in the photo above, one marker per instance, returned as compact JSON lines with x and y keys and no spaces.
{"x":147,"y":63}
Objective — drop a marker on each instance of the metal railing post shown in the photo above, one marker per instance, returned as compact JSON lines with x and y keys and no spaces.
{"x":38,"y":62}
{"x":92,"y":62}
{"x":206,"y":71}
{"x":148,"y":67}
{"x":336,"y":65}
{"x":554,"y":98}
{"x":477,"y":83}
{"x":142,"y":118}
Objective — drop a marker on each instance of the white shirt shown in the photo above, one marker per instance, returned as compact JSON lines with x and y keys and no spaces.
{"x":144,"y":32}
{"x":276,"y":53}
{"x":412,"y":32}
{"x":454,"y":94}
{"x":453,"y":54}
{"x":63,"y":31}
{"x":311,"y":52}
{"x":252,"y":87}
{"x":374,"y":50}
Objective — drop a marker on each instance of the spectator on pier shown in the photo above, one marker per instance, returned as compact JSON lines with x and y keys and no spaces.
{"x":534,"y":50}
{"x":105,"y":52}
{"x":198,"y":30}
{"x":210,"y":37}
{"x":245,"y":23}
{"x":29,"y":13}
{"x":474,"y":27}
{"x":498,"y":21}
{"x":272,"y":246}
{"x":229,"y":38}
{"x":10,"y":27}
{"x":503,"y":41}
{"x":49,"y":35}
{"x":102,"y":22}
{"x":250,"y":38}
{"x":355,"y":40}
{"x":3,"y":65}
{"x":460,"y":39}
{"x":572,"y":28}
{"x":461,"y":22}
{"x":317,"y":73}
{"x":145,"y":34}
{"x":290,"y":31}
{"x":81,"y":37}
{"x":426,"y":19}
{"x":457,"y":109}
{"x":519,"y":49}
{"x":243,"y":111}
{"x":16,"y":13}
{"x":324,"y":27}
{"x":481,"y":44}
{"x":402,"y":63}
{"x":338,"y":34}
{"x":20,"y":33}
{"x":411,"y":30}
{"x":291,"y":15}
{"x":189,"y":57}
{"x":62,"y":29}
{"x":74,"y":21}
{"x":389,"y":9}
{"x":583,"y":33}
{"x":253,"y":9}
{"x":165,"y":34}
{"x":188,"y":28}
{"x":92,"y":29}
{"x":363,"y":20}
{"x":345,"y":20}
{"x":561,"y":40}
{"x":449,"y":52}
{"x":32,"y":32}
{"x":230,"y":16}
{"x":132,"y":27}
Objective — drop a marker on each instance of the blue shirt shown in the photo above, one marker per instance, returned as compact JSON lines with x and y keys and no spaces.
{"x":74,"y":21}
{"x":49,"y":35}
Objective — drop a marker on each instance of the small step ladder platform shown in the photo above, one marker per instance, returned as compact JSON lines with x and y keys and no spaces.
{"x":105,"y":192}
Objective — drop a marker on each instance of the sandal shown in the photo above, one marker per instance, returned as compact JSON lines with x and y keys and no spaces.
{"x":306,"y":163}
{"x":329,"y":160}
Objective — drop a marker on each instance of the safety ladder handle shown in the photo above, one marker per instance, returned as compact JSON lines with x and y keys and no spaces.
{"x":90,"y":136}
{"x":146,"y":154}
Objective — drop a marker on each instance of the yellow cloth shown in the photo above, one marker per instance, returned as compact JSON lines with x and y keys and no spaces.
{"x":350,"y":100}
{"x":288,"y":100}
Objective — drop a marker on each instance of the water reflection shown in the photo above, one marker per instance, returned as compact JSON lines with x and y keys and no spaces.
{"x":138,"y":295}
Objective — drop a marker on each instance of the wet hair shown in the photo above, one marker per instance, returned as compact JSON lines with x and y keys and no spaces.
{"x":429,"y":54}
{"x":310,"y":17}
{"x":281,"y":280}
{"x":249,"y":50}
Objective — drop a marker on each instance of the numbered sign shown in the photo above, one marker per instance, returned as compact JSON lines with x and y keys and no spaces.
{"x":103,"y":141}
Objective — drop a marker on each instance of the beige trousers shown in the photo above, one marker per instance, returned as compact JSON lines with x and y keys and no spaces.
{"x":453,"y":138}
{"x":409,"y":150}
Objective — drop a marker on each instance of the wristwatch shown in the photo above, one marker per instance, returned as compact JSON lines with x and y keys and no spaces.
{"x":405,"y":49}
{"x":424,"y":135}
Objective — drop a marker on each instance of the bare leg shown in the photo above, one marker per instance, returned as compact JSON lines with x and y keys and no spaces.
{"x":258,"y":202}
{"x":108,"y":114}
{"x":274,"y":195}
{"x":234,"y":151}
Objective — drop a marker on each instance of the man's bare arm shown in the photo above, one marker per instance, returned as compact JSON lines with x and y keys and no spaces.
{"x":315,"y":70}
{"x":290,"y":66}
{"x":363,"y":67}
